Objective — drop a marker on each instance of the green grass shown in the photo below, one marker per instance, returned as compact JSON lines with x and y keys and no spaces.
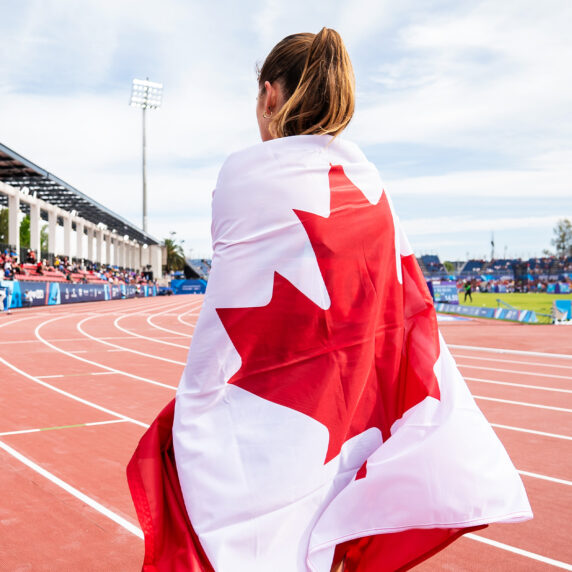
{"x":539,"y":302}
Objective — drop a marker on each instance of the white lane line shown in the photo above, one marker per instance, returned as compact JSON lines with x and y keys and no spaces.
{"x":74,"y":426}
{"x":102,"y":373}
{"x":545,"y":478}
{"x":96,"y":364}
{"x":150,"y":322}
{"x":73,"y":491}
{"x":71,"y":395}
{"x":50,"y":376}
{"x":544,"y":388}
{"x":190,"y":313}
{"x":519,"y":551}
{"x":532,"y":431}
{"x":524,"y":403}
{"x":515,"y":352}
{"x":121,"y":348}
{"x":550,"y":375}
{"x":116,"y":324}
{"x":520,"y":362}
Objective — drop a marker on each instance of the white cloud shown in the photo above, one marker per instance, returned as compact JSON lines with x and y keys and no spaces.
{"x":467,"y":224}
{"x":554,"y":183}
{"x":487,"y":76}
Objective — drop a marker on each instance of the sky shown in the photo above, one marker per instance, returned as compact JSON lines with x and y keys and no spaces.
{"x":464,"y":107}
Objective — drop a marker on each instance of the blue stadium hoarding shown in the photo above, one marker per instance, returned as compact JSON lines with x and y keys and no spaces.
{"x":188,"y":286}
{"x":21,"y":294}
{"x":443,"y":291}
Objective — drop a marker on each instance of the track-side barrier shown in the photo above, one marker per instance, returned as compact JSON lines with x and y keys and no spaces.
{"x":24,"y":294}
{"x":188,"y":286}
{"x":526,"y":316}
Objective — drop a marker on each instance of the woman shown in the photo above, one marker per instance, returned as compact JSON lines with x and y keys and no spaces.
{"x":320,"y":422}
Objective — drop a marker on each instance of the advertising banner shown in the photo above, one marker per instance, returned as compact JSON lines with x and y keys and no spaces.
{"x":474,"y":311}
{"x":22,"y":294}
{"x":70,"y":293}
{"x":444,"y":292}
{"x":188,"y":286}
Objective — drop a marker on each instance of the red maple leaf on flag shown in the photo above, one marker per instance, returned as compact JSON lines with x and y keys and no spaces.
{"x":369,"y":357}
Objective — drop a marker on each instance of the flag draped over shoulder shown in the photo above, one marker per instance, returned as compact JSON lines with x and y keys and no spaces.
{"x":320,"y":416}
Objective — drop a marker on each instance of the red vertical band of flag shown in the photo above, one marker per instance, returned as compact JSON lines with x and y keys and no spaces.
{"x":170,"y":541}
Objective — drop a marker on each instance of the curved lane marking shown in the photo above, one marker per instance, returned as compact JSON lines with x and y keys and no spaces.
{"x":150,"y":322}
{"x":122,"y":348}
{"x":71,"y":395}
{"x":97,"y":364}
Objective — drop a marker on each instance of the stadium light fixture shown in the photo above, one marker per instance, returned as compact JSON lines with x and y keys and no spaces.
{"x":146,"y":95}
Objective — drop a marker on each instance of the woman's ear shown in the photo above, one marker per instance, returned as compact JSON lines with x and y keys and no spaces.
{"x":271,"y":96}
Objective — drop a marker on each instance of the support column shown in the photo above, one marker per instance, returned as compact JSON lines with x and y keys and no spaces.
{"x":52,"y":224}
{"x":99,"y":246}
{"x":108,"y":260}
{"x":120,"y":252}
{"x":13,"y":223}
{"x":156,"y":260}
{"x":79,"y":240}
{"x":90,"y":244}
{"x":67,"y":235}
{"x":35,"y":229}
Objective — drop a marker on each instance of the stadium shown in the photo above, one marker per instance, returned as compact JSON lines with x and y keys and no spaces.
{"x":70,"y":378}
{"x":359,"y":386}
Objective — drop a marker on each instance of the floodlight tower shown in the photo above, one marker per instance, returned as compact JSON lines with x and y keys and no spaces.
{"x":146,"y":95}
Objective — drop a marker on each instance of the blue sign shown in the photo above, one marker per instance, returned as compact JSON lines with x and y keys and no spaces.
{"x":70,"y":293}
{"x":188,"y":286}
{"x":27,"y":293}
{"x":444,"y":292}
{"x":475,"y":311}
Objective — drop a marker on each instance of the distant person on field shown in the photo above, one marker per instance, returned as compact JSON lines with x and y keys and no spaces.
{"x":468,"y":291}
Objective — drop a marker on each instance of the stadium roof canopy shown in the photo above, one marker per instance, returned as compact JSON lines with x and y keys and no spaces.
{"x":17,"y":171}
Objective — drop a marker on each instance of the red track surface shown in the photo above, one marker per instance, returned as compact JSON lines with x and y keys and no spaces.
{"x":118,"y":363}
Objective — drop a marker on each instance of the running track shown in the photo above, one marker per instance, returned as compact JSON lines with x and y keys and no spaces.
{"x":79,"y":384}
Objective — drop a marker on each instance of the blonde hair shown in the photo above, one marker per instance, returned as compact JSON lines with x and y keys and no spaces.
{"x":317,"y":78}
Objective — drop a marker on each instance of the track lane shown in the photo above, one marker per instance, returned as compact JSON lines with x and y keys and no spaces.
{"x":558,"y":423}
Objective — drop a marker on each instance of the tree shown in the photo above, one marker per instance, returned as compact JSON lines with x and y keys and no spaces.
{"x":562,"y":240}
{"x":175,"y":255}
{"x":449,"y":266}
{"x":4,"y":226}
{"x":25,"y":232}
{"x":43,"y":239}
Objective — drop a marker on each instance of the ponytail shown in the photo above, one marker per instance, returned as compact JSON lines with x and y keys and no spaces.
{"x":316,"y":76}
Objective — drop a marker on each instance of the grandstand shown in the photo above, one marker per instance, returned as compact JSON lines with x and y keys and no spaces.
{"x":102,"y":237}
{"x":431,"y":266}
{"x":548,"y":268}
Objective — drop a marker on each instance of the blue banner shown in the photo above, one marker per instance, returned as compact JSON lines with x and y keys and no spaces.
{"x":27,"y":293}
{"x":444,"y":292}
{"x":70,"y":293}
{"x":188,"y":286}
{"x":527,"y":316}
{"x":23,"y":294}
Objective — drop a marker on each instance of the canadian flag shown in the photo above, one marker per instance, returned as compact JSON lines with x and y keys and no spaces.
{"x":320,"y":417}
